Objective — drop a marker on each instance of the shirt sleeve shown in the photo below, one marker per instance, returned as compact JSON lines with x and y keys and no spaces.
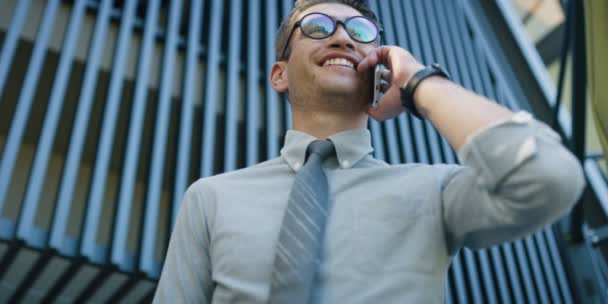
{"x":186,"y":274}
{"x":516,"y":178}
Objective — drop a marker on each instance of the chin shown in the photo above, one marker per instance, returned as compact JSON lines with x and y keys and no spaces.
{"x":345,"y":100}
{"x":337,"y":87}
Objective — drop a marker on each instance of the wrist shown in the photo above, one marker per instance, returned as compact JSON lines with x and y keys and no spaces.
{"x":423,"y":96}
{"x":410,"y":72}
{"x":409,"y":90}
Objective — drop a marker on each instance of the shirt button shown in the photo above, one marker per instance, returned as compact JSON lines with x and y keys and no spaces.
{"x":296,"y":166}
{"x":345,"y":164}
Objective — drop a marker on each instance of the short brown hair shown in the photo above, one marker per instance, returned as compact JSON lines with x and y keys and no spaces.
{"x":300,"y":6}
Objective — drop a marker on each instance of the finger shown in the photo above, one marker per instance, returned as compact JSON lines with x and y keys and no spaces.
{"x":392,"y":58}
{"x":388,"y":107}
{"x":375,"y":113}
{"x":384,"y":85}
{"x":386,"y":75}
{"x":379,"y":113}
{"x":385,"y":55}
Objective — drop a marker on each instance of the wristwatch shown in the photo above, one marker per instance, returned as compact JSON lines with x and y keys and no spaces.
{"x":408,"y":90}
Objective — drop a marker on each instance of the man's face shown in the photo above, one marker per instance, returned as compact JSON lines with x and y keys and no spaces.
{"x":317,"y":74}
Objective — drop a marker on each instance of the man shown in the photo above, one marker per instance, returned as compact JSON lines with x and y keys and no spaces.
{"x":389,"y":230}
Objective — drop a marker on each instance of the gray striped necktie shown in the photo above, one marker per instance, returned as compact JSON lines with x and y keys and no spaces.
{"x":297,"y":256}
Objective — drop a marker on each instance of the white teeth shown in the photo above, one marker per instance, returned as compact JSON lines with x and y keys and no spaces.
{"x":339,"y":61}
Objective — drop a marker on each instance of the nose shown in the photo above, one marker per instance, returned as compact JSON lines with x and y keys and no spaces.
{"x":341,"y":39}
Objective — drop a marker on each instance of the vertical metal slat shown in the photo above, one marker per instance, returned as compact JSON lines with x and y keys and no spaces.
{"x":525,"y":272}
{"x":254,"y":35}
{"x":211,"y":89}
{"x":389,"y":125}
{"x":375,"y":128}
{"x":564,"y":287}
{"x":25,"y":226}
{"x":233,"y":86}
{"x":471,"y":270}
{"x":24,"y":104}
{"x":436,"y":44}
{"x":9,"y":45}
{"x":148,"y":264}
{"x":89,"y":247}
{"x":459,"y":280}
{"x":188,"y":105}
{"x":465,"y":12}
{"x":376,"y":134}
{"x":424,"y":155}
{"x":448,"y":291}
{"x":422,"y":50}
{"x":119,"y":254}
{"x":287,"y":5}
{"x":59,"y":238}
{"x":403,"y":120}
{"x":272,"y":116}
{"x":537,"y":274}
{"x":514,"y":276}
{"x":499,"y":267}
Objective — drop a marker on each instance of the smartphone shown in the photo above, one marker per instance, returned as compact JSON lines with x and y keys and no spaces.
{"x":377,"y":85}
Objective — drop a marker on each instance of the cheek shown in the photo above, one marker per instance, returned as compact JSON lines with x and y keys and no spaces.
{"x":366,"y":49}
{"x":299,"y":68}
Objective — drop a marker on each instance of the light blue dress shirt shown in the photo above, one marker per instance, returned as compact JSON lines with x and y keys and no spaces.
{"x":392,"y":228}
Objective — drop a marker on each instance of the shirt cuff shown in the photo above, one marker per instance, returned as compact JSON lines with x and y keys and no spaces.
{"x":495,"y":151}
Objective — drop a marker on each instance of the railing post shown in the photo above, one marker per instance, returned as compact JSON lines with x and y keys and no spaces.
{"x":579,"y":101}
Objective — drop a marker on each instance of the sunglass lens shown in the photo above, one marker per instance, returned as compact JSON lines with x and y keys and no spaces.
{"x":362,"y":29}
{"x":317,"y":26}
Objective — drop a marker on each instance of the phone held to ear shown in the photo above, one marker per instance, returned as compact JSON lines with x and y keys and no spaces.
{"x":377,"y":85}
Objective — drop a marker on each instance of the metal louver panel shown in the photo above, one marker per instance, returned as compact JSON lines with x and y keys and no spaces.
{"x":110,"y":109}
{"x":17,"y":128}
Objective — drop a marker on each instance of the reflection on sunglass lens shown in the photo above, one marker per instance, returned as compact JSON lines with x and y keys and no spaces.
{"x":361,"y":29}
{"x":317,"y":26}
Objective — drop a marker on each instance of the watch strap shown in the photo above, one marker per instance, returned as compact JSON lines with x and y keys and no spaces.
{"x":407,"y":91}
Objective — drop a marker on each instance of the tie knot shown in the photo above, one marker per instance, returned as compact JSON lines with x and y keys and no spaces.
{"x":323,"y":148}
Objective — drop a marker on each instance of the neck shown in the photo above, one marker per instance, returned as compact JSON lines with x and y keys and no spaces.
{"x":322,"y":124}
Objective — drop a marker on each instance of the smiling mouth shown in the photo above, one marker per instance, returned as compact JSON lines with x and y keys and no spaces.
{"x":339,"y":62}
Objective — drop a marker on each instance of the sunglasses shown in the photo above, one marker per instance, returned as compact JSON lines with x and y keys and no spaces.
{"x":320,"y":26}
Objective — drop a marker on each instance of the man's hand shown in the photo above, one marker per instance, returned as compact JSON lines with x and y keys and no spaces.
{"x":402,"y":66}
{"x":454,"y":111}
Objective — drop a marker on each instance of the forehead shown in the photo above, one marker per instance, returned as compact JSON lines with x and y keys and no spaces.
{"x":336,"y":10}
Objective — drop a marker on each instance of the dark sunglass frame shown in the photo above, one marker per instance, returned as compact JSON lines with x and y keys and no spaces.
{"x":335,"y":28}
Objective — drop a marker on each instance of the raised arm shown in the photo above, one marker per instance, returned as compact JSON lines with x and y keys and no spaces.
{"x":516,"y":176}
{"x":453,"y":110}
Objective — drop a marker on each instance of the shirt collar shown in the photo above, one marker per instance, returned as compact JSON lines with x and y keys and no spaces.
{"x":351,"y":146}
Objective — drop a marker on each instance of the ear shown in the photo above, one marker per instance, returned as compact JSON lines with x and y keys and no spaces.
{"x":278,"y":76}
